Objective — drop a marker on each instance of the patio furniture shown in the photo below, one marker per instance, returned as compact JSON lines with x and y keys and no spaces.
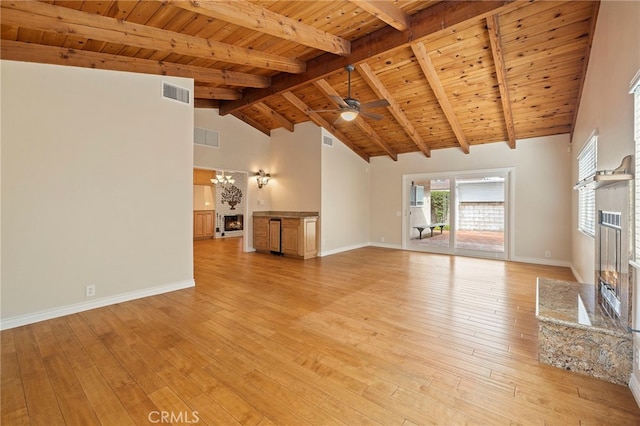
{"x":431,"y":227}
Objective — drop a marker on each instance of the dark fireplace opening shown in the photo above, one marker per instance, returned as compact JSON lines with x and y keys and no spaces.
{"x":610,"y":267}
{"x":234,"y":222}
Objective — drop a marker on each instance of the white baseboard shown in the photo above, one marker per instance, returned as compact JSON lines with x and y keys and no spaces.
{"x":387,"y":245}
{"x":25,"y":319}
{"x":542,"y":261}
{"x":576,"y":274}
{"x":341,"y":249}
{"x":634,"y":385}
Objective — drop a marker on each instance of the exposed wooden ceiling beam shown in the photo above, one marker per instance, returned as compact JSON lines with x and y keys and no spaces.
{"x":257,"y":18}
{"x":493,"y":26}
{"x":267,"y":111}
{"x":436,"y":85}
{"x":205,"y":103}
{"x":329,"y":91}
{"x":439,"y":17}
{"x":319,"y":121}
{"x":62,"y":20}
{"x":31,"y":52}
{"x":376,"y":85}
{"x":386,"y":11}
{"x":220,"y":93}
{"x":251,"y":122}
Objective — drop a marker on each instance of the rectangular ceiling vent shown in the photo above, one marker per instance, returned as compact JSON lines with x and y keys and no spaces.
{"x":206,"y":137}
{"x":176,"y":93}
{"x":327,"y":140}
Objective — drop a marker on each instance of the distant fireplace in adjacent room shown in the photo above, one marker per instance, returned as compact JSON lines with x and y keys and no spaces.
{"x":234,"y":222}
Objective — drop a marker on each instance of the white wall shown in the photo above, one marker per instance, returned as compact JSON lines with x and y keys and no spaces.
{"x":345,"y":199}
{"x":542,"y":182}
{"x":295,"y":165}
{"x":242,"y":148}
{"x":204,"y":197}
{"x":96,"y":189}
{"x":607,"y":106}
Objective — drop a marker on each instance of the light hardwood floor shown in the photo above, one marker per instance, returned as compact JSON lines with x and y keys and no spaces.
{"x":370,"y":336}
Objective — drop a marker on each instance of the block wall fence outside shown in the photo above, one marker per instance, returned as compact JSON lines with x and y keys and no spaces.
{"x":481,"y":216}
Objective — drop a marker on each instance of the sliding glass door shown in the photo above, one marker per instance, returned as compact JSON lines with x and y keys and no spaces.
{"x":480,"y":215}
{"x":461,"y":213}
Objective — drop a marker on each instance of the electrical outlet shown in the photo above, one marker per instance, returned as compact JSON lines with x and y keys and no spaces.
{"x":90,"y":291}
{"x":382,"y":239}
{"x":547,"y":254}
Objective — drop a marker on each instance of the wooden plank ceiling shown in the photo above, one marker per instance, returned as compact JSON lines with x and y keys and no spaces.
{"x":455,"y":73}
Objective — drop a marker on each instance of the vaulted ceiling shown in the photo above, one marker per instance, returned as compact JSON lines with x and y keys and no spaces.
{"x":455,"y":73}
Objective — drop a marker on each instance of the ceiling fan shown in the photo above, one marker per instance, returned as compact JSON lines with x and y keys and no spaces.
{"x":349,"y":108}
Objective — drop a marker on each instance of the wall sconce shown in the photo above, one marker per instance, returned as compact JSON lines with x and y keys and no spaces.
{"x":262,"y":178}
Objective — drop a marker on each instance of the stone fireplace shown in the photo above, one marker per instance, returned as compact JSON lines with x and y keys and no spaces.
{"x":585,"y":327}
{"x":231,"y":201}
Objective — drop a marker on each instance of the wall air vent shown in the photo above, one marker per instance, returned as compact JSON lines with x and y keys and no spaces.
{"x":176,"y":93}
{"x":327,"y":140}
{"x":206,"y":137}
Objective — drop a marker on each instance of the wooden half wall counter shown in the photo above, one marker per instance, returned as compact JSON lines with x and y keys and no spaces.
{"x":286,"y":233}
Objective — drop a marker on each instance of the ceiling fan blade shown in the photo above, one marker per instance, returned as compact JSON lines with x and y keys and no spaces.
{"x":338,"y":100}
{"x":375,"y":104}
{"x":371,"y":115}
{"x":324,"y":110}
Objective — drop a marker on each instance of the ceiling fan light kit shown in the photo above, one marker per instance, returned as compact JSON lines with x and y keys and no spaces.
{"x":349,"y":115}
{"x":350,"y":108}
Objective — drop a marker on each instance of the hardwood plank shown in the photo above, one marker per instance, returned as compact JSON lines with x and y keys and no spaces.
{"x":107,"y":406}
{"x":369,"y":336}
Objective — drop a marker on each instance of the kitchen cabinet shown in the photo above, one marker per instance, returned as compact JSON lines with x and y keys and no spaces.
{"x":261,"y":233}
{"x":203,"y":177}
{"x":275,"y":236}
{"x":290,"y":236}
{"x":287,"y":233}
{"x":203,"y":224}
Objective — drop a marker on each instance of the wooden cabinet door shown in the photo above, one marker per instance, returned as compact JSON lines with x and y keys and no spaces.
{"x":274,"y":235}
{"x":199,"y":219}
{"x":203,"y":177}
{"x":290,"y":236}
{"x":310,"y":238}
{"x":203,"y":224}
{"x":261,"y":233}
{"x":208,"y":223}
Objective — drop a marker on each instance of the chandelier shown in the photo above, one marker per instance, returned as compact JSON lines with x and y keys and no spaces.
{"x":223,"y":180}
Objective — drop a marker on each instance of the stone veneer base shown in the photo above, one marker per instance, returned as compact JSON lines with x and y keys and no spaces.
{"x":575,"y":334}
{"x":601,"y":355}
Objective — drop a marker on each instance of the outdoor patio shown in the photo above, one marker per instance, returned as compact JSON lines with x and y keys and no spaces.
{"x":492,"y":241}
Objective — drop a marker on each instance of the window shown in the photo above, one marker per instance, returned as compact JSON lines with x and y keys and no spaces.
{"x":635,"y":91}
{"x":587,"y":163}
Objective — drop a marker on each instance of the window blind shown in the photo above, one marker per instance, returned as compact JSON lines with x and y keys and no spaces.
{"x":587,"y":165}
